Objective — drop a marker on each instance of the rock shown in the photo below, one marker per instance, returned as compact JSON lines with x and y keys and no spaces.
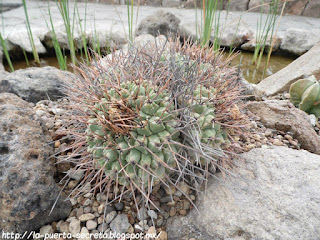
{"x":155,"y":3}
{"x":239,"y":5}
{"x":142,"y":214}
{"x":74,"y":226}
{"x":63,"y":227}
{"x":119,"y":206}
{"x":250,"y":46}
{"x":120,"y":224}
{"x":235,"y":33}
{"x":47,"y":229}
{"x":86,"y":217}
{"x":91,"y":225}
{"x":306,"y":65}
{"x":20,"y":40}
{"x":274,"y":194}
{"x":299,"y":41}
{"x":162,"y":236}
{"x":152,"y":214}
{"x":110,"y":216}
{"x":85,"y":234}
{"x":312,"y":9}
{"x":313,"y":120}
{"x":76,"y":175}
{"x":27,"y":188}
{"x":159,"y":23}
{"x":171,"y":3}
{"x":35,"y":84}
{"x":283,"y":116}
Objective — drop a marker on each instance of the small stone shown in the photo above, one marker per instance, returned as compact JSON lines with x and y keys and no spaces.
{"x":79,"y":212}
{"x":142,"y":214}
{"x":57,"y":144}
{"x":87,"y":210}
{"x":152,"y":214}
{"x":120,"y":224}
{"x":74,"y":226}
{"x":183,"y":212}
{"x":47,"y":229}
{"x":87,"y":202}
{"x":63,"y":227}
{"x":166,"y":199}
{"x":91,"y":224}
{"x":138,"y":228}
{"x":172,"y":212}
{"x":86,"y":217}
{"x":277,"y":142}
{"x":84,"y":232}
{"x":152,"y":231}
{"x":88,"y":195}
{"x":286,"y":95}
{"x":103,"y":228}
{"x":289,"y":137}
{"x":172,"y":203}
{"x":184,"y":188}
{"x":268,"y":133}
{"x":72,"y":184}
{"x":110,"y":216}
{"x":76,"y":175}
{"x":130,"y":229}
{"x":170,"y":190}
{"x":162,"y":236}
{"x":73,"y":201}
{"x":101,"y":209}
{"x":159,"y":222}
{"x":119,"y":206}
{"x":100,"y":220}
{"x":313,"y":119}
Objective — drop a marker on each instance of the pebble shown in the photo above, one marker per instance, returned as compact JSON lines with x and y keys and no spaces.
{"x":152,"y":231}
{"x":119,"y":206}
{"x":152,"y":214}
{"x":277,"y":142}
{"x":91,"y":224}
{"x":57,"y":144}
{"x":162,"y":236}
{"x":313,"y":119}
{"x":110,"y":216}
{"x":142,"y":214}
{"x":47,"y":229}
{"x":170,"y":190}
{"x":102,"y":228}
{"x":87,"y":202}
{"x":86,"y":217}
{"x":73,"y":201}
{"x":144,"y":224}
{"x":74,"y":226}
{"x":120,"y":224}
{"x":172,"y":212}
{"x":63,"y":227}
{"x":183,"y":212}
{"x":84,"y":231}
{"x":101,"y":209}
{"x":87,"y":210}
{"x":76,"y":175}
{"x":79,"y":212}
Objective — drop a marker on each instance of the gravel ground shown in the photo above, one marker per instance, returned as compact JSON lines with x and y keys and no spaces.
{"x":89,"y":214}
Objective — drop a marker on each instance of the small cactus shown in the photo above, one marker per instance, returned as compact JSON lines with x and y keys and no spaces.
{"x":305,"y":94}
{"x":138,"y":119}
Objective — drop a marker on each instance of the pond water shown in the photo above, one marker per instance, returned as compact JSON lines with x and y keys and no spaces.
{"x":249,"y":71}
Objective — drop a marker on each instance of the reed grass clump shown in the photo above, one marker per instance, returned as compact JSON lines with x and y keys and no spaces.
{"x":141,"y":118}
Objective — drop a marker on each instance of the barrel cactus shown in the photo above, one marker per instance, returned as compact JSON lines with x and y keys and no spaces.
{"x":131,"y":131}
{"x":139,"y":119}
{"x":305,"y":94}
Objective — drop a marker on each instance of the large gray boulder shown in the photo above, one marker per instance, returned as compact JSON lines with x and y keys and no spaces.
{"x":27,"y":188}
{"x":284,"y":116}
{"x":35,"y":84}
{"x":275,"y":194}
{"x":299,"y":41}
{"x":306,"y":65}
{"x":159,"y":23}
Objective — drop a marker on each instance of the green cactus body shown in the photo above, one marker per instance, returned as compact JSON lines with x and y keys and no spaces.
{"x":305,"y":94}
{"x":209,"y":131}
{"x":130,"y":132}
